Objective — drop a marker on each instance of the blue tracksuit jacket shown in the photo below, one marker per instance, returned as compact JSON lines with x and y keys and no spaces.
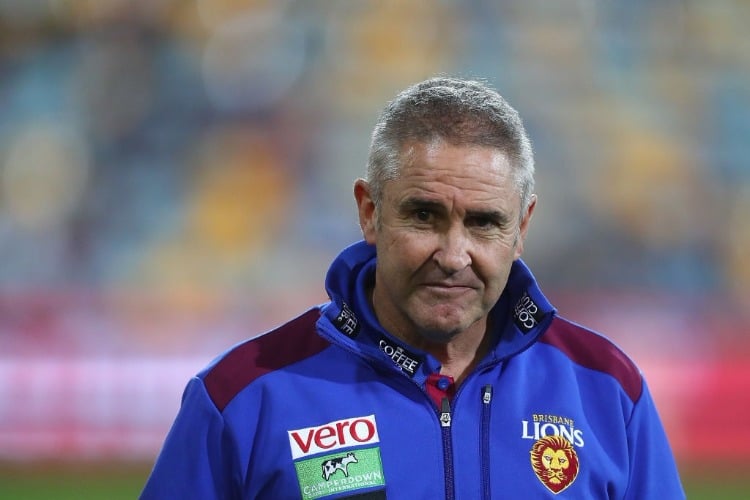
{"x":330,"y":405}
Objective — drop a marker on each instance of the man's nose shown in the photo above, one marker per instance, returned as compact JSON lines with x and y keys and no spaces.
{"x":453,"y":253}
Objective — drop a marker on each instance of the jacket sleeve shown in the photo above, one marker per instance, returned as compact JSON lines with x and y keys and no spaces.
{"x":653,"y":471}
{"x":196,"y":458}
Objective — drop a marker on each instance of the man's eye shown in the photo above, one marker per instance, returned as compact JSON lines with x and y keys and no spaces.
{"x":483,"y":223}
{"x":423,"y":215}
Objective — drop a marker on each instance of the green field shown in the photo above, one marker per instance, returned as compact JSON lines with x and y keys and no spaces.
{"x":81,"y":481}
{"x":124,"y":481}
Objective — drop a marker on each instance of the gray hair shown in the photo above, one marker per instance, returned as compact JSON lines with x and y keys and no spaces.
{"x":461,"y":112}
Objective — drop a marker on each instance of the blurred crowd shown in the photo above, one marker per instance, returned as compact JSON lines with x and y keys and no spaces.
{"x":172,"y":165}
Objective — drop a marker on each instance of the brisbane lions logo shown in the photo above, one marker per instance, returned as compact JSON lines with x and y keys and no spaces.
{"x":555,"y":462}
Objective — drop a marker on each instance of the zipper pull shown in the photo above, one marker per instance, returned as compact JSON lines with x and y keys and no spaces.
{"x":487,"y":394}
{"x":445,"y":413}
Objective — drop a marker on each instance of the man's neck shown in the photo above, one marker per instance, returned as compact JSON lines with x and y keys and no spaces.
{"x":458,"y":356}
{"x":461,"y":355}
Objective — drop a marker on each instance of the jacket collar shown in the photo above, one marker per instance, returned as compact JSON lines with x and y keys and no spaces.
{"x":520,"y":316}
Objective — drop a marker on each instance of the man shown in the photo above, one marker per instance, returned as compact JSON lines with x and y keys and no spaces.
{"x":438,"y":369}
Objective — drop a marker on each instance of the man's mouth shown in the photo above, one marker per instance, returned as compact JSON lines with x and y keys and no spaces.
{"x":447,"y":289}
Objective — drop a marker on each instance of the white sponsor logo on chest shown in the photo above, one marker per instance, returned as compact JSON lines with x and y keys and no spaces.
{"x":333,"y":436}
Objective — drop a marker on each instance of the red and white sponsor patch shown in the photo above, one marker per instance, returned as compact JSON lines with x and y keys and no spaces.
{"x":332,"y":436}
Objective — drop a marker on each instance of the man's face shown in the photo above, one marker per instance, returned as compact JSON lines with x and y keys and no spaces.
{"x":447,"y":233}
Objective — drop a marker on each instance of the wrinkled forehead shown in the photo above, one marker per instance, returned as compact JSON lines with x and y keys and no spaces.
{"x":467,"y":160}
{"x":473,"y":173}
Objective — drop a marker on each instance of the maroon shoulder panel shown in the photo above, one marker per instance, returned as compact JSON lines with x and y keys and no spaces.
{"x":291,"y":342}
{"x":593,"y":351}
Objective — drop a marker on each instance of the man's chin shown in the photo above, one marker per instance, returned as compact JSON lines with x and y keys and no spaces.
{"x":442,"y":332}
{"x":442,"y":323}
{"x":439,"y":336}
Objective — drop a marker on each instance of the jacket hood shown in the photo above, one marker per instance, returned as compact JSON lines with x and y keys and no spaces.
{"x":517,"y":320}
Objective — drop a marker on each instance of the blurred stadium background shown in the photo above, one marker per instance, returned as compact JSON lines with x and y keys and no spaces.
{"x":175,"y":176}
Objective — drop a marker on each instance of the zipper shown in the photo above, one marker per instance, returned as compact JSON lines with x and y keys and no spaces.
{"x":485,"y":440}
{"x":445,"y":427}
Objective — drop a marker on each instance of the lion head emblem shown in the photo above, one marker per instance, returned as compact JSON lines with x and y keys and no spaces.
{"x":555,"y":462}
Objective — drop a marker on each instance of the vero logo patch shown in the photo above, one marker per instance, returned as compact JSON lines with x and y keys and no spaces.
{"x":333,"y":436}
{"x":325,"y":468}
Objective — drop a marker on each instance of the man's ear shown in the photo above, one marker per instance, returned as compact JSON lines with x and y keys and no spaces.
{"x":523,"y":228}
{"x":366,"y":209}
